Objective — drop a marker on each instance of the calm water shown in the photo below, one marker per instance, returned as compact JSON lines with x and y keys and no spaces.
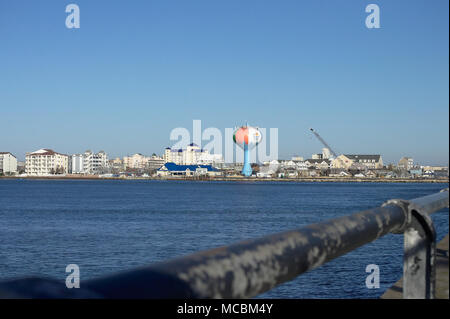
{"x":107,"y":226}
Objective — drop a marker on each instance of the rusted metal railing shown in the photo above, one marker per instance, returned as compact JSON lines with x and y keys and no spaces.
{"x":252,"y":267}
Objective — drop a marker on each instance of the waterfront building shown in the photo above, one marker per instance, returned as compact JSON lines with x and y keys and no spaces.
{"x":302,"y":166}
{"x":297,"y":158}
{"x":267,"y":171}
{"x":406,"y":163}
{"x":288,"y":164}
{"x":435,"y":168}
{"x":346,"y":161}
{"x":8,"y":163}
{"x":435,"y":171}
{"x":46,"y":162}
{"x":172,"y":169}
{"x":95,"y":163}
{"x":154,"y":162}
{"x":272,"y":162}
{"x":135,"y":161}
{"x":77,"y":164}
{"x":139,"y":161}
{"x":192,"y":155}
{"x":321,"y":164}
{"x":416,"y":172}
{"x":339,"y":174}
{"x":116,"y":164}
{"x":89,"y":163}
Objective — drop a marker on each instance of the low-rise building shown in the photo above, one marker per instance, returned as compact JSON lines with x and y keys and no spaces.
{"x":154,"y":162}
{"x":172,"y":169}
{"x":416,"y":172}
{"x":8,"y":163}
{"x":46,"y":162}
{"x":322,"y":164}
{"x":139,"y":161}
{"x":345,"y":161}
{"x":116,"y":164}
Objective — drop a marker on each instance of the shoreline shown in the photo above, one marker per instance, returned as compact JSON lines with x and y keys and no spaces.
{"x":237,"y":179}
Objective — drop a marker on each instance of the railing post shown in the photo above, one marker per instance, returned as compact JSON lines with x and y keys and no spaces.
{"x":419,"y":256}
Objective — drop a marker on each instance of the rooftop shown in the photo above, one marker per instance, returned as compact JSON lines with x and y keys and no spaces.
{"x":363,"y":157}
{"x":45,"y":151}
{"x":172,"y":167}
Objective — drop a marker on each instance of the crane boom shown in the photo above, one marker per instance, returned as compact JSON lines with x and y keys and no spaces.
{"x":323,"y":142}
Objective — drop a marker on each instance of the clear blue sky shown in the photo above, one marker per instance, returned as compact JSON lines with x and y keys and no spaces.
{"x":137,"y":69}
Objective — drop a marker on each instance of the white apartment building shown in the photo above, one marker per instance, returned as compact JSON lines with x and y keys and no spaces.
{"x":192,"y":155}
{"x":94,"y":163}
{"x":46,"y":162}
{"x":89,"y":163}
{"x":8,"y":163}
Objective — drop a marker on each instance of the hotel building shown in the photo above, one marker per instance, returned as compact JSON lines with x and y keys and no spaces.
{"x":46,"y":162}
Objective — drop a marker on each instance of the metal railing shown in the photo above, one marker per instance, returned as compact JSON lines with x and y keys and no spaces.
{"x":249,"y":268}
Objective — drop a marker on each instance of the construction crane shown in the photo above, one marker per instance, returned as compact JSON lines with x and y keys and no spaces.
{"x":323,"y":142}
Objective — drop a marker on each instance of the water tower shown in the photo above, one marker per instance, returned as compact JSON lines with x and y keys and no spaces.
{"x":247,"y":137}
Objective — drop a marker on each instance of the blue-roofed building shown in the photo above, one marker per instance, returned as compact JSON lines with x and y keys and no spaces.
{"x":172,"y":169}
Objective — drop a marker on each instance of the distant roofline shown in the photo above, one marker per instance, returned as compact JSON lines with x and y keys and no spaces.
{"x":45,"y":152}
{"x":4,"y":153}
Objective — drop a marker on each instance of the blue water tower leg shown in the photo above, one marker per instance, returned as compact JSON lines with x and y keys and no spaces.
{"x":247,"y":169}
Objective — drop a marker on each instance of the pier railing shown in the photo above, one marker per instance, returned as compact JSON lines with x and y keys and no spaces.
{"x":249,"y":268}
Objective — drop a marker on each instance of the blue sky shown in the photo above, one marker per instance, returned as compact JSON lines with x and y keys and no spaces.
{"x":137,"y":69}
